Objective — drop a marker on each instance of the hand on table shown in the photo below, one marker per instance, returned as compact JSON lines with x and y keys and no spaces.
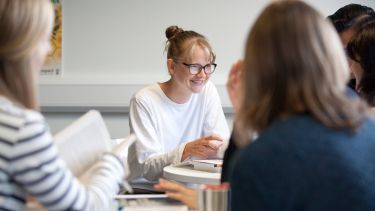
{"x":204,"y":147}
{"x":178,"y":192}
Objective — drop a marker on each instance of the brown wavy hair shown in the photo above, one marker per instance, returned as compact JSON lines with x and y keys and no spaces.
{"x":294,"y":63}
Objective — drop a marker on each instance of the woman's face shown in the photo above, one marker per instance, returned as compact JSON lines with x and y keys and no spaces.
{"x":39,"y":55}
{"x":187,"y":81}
{"x":356,"y":69}
{"x":345,"y":36}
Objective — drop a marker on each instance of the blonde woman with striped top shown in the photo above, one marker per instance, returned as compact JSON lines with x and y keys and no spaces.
{"x":29,"y":162}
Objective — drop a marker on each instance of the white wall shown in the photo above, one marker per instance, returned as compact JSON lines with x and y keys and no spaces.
{"x":117,"y":123}
{"x":111,"y":48}
{"x":122,"y":41}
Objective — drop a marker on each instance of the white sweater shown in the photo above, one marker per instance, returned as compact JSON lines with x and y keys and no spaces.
{"x":29,"y":163}
{"x":163,"y":127}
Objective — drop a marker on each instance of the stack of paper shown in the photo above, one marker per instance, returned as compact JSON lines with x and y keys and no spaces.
{"x":213,"y":165}
{"x":208,"y":165}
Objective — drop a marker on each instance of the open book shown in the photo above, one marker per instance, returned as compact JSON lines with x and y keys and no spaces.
{"x":83,"y":142}
{"x":213,"y":165}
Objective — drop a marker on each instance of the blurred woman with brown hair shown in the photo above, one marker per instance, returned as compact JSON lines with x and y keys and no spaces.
{"x":315,"y":148}
{"x":362,"y":60}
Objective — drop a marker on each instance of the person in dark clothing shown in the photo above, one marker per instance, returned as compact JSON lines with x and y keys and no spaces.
{"x":345,"y":18}
{"x":231,"y":150}
{"x":361,"y":52}
{"x":346,"y":21}
{"x":315,"y":148}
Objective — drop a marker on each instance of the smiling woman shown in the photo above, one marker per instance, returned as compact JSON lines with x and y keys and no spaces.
{"x":176,"y":119}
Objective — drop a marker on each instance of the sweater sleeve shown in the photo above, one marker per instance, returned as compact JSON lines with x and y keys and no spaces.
{"x":38,"y":169}
{"x":215,"y":121}
{"x":148,"y":144}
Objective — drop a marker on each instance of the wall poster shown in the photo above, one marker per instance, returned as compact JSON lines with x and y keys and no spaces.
{"x":52,"y":66}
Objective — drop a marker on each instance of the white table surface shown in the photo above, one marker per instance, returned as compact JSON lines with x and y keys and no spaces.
{"x":189,"y":175}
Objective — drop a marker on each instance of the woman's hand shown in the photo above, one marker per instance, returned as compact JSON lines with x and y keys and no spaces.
{"x":204,"y":147}
{"x":234,"y":85}
{"x":178,"y":192}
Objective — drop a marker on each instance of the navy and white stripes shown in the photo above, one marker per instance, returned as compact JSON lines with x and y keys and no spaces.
{"x":29,"y":163}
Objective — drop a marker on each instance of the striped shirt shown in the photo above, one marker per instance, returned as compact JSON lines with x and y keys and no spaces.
{"x":29,"y":164}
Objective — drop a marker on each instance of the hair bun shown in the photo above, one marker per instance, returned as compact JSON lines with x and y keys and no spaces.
{"x":172,"y":31}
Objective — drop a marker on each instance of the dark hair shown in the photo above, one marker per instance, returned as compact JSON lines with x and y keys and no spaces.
{"x":180,"y":43}
{"x":172,"y":31}
{"x":346,"y":16}
{"x":361,"y":48}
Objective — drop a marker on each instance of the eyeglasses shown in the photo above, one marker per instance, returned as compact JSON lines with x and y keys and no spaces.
{"x":196,"y":68}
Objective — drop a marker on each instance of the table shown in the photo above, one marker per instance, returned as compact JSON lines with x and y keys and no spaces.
{"x":189,"y":175}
